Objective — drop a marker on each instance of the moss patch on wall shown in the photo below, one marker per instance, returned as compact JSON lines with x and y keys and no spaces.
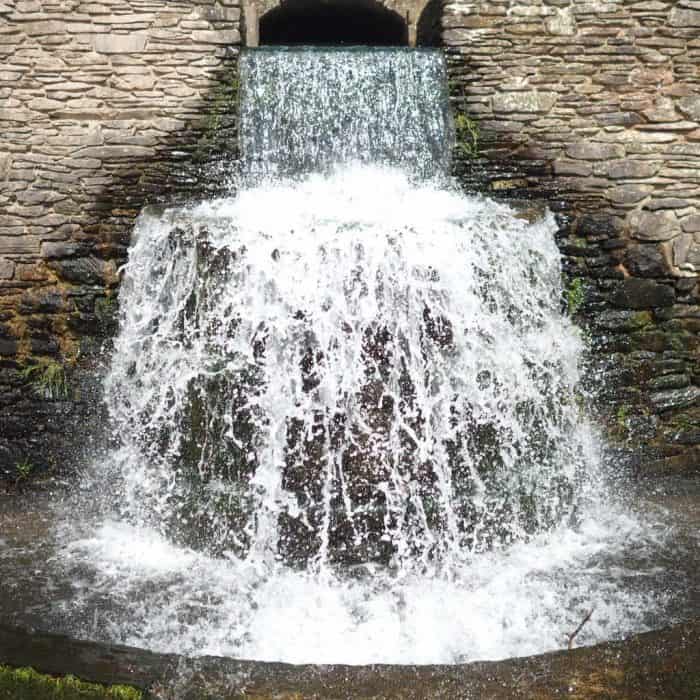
{"x":28,"y":684}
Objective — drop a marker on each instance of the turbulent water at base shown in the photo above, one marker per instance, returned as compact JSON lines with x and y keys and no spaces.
{"x":347,"y":403}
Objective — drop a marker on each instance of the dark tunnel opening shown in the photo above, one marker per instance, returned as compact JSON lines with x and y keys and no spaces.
{"x":345,"y":22}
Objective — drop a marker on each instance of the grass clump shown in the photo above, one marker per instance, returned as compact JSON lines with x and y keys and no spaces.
{"x":28,"y":684}
{"x":24,"y":470}
{"x":48,"y":379}
{"x":466,"y":135}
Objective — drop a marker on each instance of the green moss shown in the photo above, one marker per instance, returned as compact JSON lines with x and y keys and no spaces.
{"x":48,"y":379}
{"x":622,"y":416}
{"x":28,"y":684}
{"x":641,"y":319}
{"x":575,"y":296}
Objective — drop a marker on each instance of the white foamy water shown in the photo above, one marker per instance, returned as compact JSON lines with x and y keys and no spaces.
{"x":347,"y":405}
{"x":524,"y":600}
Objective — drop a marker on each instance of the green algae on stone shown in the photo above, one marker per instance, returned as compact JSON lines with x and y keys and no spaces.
{"x":28,"y":684}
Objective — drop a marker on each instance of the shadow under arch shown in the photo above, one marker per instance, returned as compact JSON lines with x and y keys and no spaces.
{"x":429,"y":25}
{"x":340,"y":22}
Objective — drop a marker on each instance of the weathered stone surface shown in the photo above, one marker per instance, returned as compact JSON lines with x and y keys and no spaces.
{"x":561,"y":23}
{"x":675,"y":399}
{"x":691,"y":224}
{"x":526,"y":101}
{"x":120,"y":43}
{"x":61,"y":249}
{"x":41,"y":302}
{"x":646,"y":261}
{"x":634,"y":293}
{"x":682,"y":17}
{"x":628,"y":194}
{"x":669,"y":381}
{"x":7,"y":269}
{"x":622,"y":321}
{"x":590,"y":150}
{"x":653,"y":226}
{"x":690,"y":106}
{"x":632,"y":169}
{"x":90,"y":271}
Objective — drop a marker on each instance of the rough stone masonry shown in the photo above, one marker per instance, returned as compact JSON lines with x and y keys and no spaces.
{"x":593,"y":106}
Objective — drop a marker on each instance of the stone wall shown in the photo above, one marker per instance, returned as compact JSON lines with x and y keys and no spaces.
{"x":592,"y":106}
{"x":104,"y":107}
{"x":595,"y":106}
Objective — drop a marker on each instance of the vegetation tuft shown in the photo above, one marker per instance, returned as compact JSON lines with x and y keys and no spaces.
{"x":48,"y":379}
{"x":466,"y":135}
{"x":575,"y":296}
{"x":28,"y":684}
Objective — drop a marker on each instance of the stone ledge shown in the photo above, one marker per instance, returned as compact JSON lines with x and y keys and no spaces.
{"x":663,"y":665}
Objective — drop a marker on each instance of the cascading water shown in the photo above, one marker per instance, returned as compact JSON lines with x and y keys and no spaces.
{"x":347,"y":401}
{"x":310,"y":110}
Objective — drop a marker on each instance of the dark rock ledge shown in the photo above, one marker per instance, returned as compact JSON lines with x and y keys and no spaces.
{"x":661,"y":665}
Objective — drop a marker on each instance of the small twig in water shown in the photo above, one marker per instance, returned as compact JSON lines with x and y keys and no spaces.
{"x":579,"y":628}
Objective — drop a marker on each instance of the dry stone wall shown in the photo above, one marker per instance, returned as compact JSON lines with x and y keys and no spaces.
{"x":595,"y":106}
{"x":104,"y":107}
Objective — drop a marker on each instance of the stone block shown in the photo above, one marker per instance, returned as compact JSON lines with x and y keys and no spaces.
{"x":663,"y":401}
{"x":633,"y":293}
{"x":561,"y":23}
{"x":669,"y":381}
{"x":531,"y":101}
{"x":646,"y":261}
{"x":24,"y":116}
{"x":225,"y":37}
{"x":43,"y":28}
{"x":684,"y":17}
{"x":19,"y":245}
{"x":59,"y":250}
{"x":88,"y":270}
{"x":31,"y":273}
{"x":8,"y":347}
{"x":5,"y":165}
{"x":653,"y":226}
{"x":41,"y":302}
{"x":628,"y":194}
{"x":681,"y":249}
{"x":592,"y":150}
{"x":572,"y":167}
{"x":134,"y":42}
{"x":629,"y":169}
{"x":109,"y":153}
{"x":7,"y":269}
{"x":691,"y":224}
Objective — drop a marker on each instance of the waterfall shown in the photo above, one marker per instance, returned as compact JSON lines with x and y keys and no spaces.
{"x":305,"y":110}
{"x":346,"y":398}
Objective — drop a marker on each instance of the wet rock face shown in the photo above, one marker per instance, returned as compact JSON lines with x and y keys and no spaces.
{"x":606,"y":102}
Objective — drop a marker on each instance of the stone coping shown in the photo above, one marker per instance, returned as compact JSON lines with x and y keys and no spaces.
{"x":660,"y":665}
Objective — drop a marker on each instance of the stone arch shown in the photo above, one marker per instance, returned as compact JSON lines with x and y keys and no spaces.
{"x":329,"y":22}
